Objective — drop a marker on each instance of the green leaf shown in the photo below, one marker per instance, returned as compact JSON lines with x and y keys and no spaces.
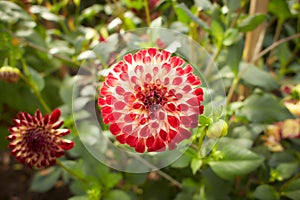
{"x":181,"y":162}
{"x":90,"y":11}
{"x":231,"y":36}
{"x":112,"y":179}
{"x":284,"y":53}
{"x":236,"y":161}
{"x":257,"y":77}
{"x":135,"y":178}
{"x":198,"y":21}
{"x":196,"y":164}
{"x":266,"y":192}
{"x":234,"y":56}
{"x":66,"y":90}
{"x":281,"y":157}
{"x":189,"y":187}
{"x":203,"y":4}
{"x":287,"y":170}
{"x":82,"y":197}
{"x":232,"y":5}
{"x":218,"y":32}
{"x":204,"y":120}
{"x":292,"y":191}
{"x":215,"y":187}
{"x":45,"y":13}
{"x":182,"y":15}
{"x":37,"y":79}
{"x":117,"y":195}
{"x":280,"y":9}
{"x":44,"y":180}
{"x":12,"y":13}
{"x":137,"y":4}
{"x":263,"y":108}
{"x":251,"y":22}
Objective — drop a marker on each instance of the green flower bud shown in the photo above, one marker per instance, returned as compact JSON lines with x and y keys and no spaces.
{"x":217,"y":129}
{"x":9,"y":74}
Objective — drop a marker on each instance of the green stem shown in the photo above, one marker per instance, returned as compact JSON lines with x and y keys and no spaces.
{"x":147,"y":12}
{"x":286,"y":184}
{"x":214,"y":58}
{"x":61,"y":165}
{"x":283,"y":68}
{"x":33,"y":87}
{"x":202,"y":132}
{"x":232,"y":89}
{"x":276,"y":38}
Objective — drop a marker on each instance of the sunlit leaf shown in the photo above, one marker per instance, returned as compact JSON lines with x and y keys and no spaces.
{"x":266,"y":192}
{"x":251,"y":22}
{"x":236,"y":161}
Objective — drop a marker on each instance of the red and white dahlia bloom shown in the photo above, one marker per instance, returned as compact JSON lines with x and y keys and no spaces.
{"x":151,"y":100}
{"x":36,"y":140}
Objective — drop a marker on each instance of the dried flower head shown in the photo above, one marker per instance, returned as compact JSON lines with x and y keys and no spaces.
{"x":36,"y":140}
{"x":151,"y":100}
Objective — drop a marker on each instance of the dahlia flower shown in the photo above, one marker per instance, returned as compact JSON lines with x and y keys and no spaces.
{"x":36,"y":140}
{"x":151,"y":100}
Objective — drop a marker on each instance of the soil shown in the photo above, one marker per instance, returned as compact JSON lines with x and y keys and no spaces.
{"x":15,"y":181}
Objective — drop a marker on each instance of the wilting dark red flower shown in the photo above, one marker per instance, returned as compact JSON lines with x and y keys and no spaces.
{"x":36,"y":140}
{"x":151,"y":100}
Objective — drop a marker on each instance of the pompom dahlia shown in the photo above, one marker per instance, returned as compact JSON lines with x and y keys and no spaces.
{"x":36,"y":140}
{"x":151,"y":100}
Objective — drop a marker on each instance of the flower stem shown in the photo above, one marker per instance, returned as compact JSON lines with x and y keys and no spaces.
{"x":289,"y":182}
{"x":201,"y":132}
{"x":146,"y":4}
{"x":163,"y":174}
{"x":232,"y":89}
{"x":210,"y":64}
{"x":33,"y":86}
{"x":61,"y":165}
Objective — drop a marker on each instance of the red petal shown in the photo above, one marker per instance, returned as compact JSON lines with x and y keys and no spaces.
{"x":148,"y":77}
{"x":193,"y":102}
{"x":114,"y":129}
{"x":101,"y":102}
{"x":127,"y":129}
{"x":177,"y":81}
{"x":170,"y":107}
{"x":128,"y":58}
{"x":122,"y":138}
{"x":140,"y":146}
{"x":173,"y":121}
{"x":187,"y":88}
{"x":106,"y":110}
{"x":54,"y":116}
{"x":163,"y":134}
{"x":67,"y":144}
{"x":188,"y":69}
{"x":198,"y":91}
{"x":124,"y":76}
{"x":120,"y":90}
{"x":119,"y":105}
{"x":131,"y":140}
{"x":165,"y":54}
{"x":145,"y":131}
{"x":150,"y":142}
{"x":185,"y":134}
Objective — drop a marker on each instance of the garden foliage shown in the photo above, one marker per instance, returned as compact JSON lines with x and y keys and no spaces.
{"x":44,"y":43}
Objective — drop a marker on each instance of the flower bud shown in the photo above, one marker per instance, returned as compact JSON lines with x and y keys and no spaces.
{"x":9,"y":74}
{"x":218,"y":129}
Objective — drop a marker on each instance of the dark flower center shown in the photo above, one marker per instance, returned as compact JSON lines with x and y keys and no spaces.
{"x":36,"y":139}
{"x":152,"y":96}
